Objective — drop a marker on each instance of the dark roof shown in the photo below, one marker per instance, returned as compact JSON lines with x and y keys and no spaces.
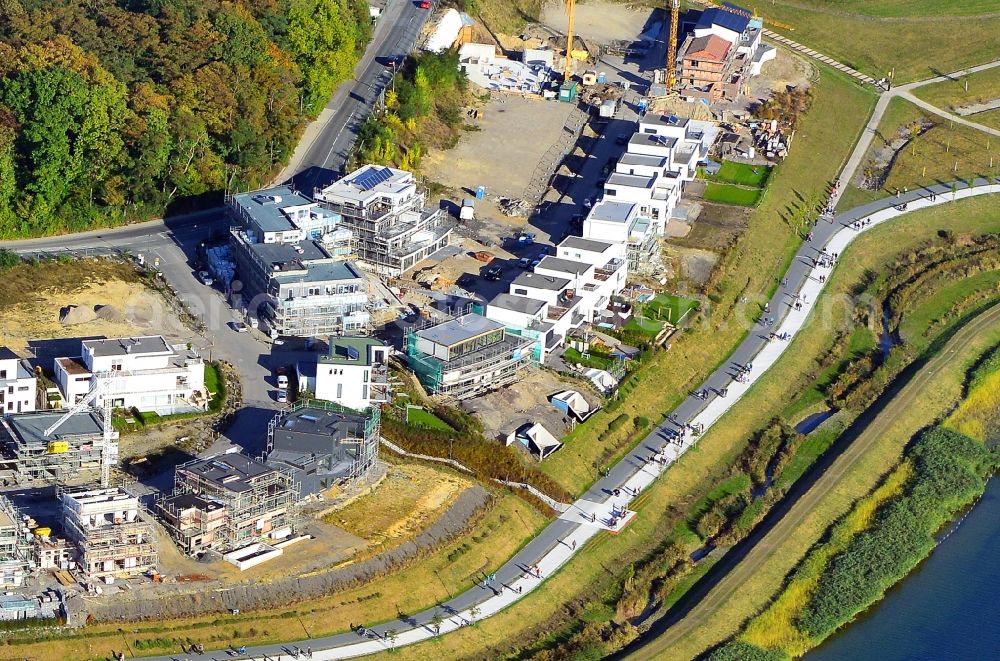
{"x":30,"y":427}
{"x":229,"y":471}
{"x":458,"y":330}
{"x":265,"y":207}
{"x":186,"y":500}
{"x":521,"y":304}
{"x":725,"y":17}
{"x":7,"y":354}
{"x":592,"y":245}
{"x":341,"y":350}
{"x":563,"y":265}
{"x":539,"y":281}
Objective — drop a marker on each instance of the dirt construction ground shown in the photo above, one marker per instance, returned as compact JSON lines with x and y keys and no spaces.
{"x":33,"y":298}
{"x":601,"y":22}
{"x":514,"y":135}
{"x":504,"y":410}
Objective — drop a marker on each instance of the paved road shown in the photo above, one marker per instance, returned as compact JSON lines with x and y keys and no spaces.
{"x":560,"y":540}
{"x":328,"y":141}
{"x":764,"y":546}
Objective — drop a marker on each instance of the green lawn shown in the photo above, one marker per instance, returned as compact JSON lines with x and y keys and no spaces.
{"x":989,"y":118}
{"x":669,"y":308}
{"x":729,"y":194}
{"x":742,"y":174}
{"x":596,"y":360}
{"x":424,"y":418}
{"x":933,"y":311}
{"x":918,"y":39}
{"x":951,"y":94}
{"x":215,"y":385}
{"x":643,"y":325}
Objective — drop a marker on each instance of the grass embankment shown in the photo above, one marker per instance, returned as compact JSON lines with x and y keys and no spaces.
{"x":506,"y":16}
{"x":883,"y":536}
{"x":936,"y":151}
{"x":424,"y":418}
{"x":867,"y":254}
{"x":983,"y":87}
{"x":454,"y":567}
{"x":596,"y":576}
{"x":878,"y":37}
{"x":749,"y":270}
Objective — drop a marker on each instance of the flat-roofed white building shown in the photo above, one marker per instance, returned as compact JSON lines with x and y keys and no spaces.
{"x":150,"y":373}
{"x":563,"y":292}
{"x":352,"y":373}
{"x":17,"y":384}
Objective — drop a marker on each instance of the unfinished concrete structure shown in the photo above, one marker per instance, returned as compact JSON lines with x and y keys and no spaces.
{"x":226,"y":502}
{"x":15,"y":546}
{"x":467,"y":356}
{"x":323,"y":445}
{"x":73,"y":453}
{"x":383,"y":208}
{"x":112,"y":540}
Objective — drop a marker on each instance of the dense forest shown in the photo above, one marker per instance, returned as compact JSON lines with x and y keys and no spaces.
{"x":119,"y":109}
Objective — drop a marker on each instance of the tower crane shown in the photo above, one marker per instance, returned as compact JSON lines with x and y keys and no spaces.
{"x":105,"y":386}
{"x":675,"y":10}
{"x":570,"y":15}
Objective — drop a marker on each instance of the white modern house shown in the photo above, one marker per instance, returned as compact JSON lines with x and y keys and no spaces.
{"x":17,"y":384}
{"x":563,"y":292}
{"x":150,"y":374}
{"x":352,"y":373}
{"x":640,"y":196}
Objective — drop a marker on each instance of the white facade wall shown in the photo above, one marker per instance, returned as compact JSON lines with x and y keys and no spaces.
{"x":347,"y":385}
{"x":17,"y":387}
{"x":729,"y":35}
{"x":513,"y":318}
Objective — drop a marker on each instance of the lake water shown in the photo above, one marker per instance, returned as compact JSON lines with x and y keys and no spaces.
{"x":946,"y":610}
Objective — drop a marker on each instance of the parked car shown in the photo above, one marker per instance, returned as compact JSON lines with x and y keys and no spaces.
{"x":622,"y":139}
{"x":535,"y":262}
{"x":239,"y":326}
{"x":544,"y":250}
{"x":524,"y":262}
{"x":587,"y":203}
{"x":282,"y":396}
{"x":424,"y":4}
{"x":494,"y":272}
{"x":283,"y":381}
{"x":206,"y":278}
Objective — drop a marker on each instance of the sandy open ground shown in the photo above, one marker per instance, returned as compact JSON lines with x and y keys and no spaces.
{"x":601,"y":22}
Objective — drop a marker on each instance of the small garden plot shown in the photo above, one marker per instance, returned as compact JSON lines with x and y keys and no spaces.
{"x":423,"y":418}
{"x":731,"y":194}
{"x":669,"y":308}
{"x":742,"y":174}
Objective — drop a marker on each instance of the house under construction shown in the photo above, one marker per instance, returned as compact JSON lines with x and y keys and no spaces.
{"x":467,"y":356}
{"x":15,"y":546}
{"x":226,"y":502}
{"x":35,"y":451}
{"x":111,"y":538}
{"x":322,"y":444}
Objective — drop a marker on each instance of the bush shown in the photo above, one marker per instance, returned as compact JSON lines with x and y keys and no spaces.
{"x":740,"y":650}
{"x":8,"y":259}
{"x":949,"y":473}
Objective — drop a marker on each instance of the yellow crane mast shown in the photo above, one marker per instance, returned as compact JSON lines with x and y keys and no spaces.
{"x":570,"y":15}
{"x":675,"y":10}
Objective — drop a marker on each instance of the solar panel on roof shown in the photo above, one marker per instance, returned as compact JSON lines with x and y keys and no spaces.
{"x":372,"y":177}
{"x":353,"y":353}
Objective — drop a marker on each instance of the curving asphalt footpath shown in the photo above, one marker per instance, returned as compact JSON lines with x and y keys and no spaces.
{"x":562,"y":538}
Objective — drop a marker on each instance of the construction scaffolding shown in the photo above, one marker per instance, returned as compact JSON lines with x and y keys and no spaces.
{"x":254,"y":498}
{"x":15,"y":546}
{"x":112,"y":539}
{"x":76,"y":453}
{"x":487,"y":368}
{"x":322,"y":444}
